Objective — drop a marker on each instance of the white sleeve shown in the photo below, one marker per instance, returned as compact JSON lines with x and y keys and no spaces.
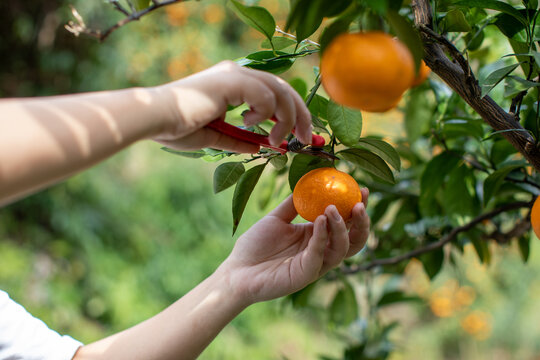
{"x":23,"y":337}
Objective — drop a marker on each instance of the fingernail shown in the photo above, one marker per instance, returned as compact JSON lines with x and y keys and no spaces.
{"x":335,"y":213}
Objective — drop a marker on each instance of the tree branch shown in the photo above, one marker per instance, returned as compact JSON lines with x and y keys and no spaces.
{"x":459,"y":77}
{"x":78,"y":27}
{"x":444,"y":240}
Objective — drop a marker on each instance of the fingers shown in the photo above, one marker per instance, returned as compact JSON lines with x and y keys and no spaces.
{"x":313,"y":256}
{"x":208,"y":138}
{"x":290,"y":109}
{"x":338,"y":245}
{"x":268,"y":95}
{"x":359,"y":231}
{"x":285,"y":211}
{"x":365,"y":196}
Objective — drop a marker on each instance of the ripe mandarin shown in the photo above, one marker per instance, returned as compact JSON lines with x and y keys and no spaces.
{"x":422,"y":74}
{"x":535,"y":217}
{"x":322,"y":187}
{"x":368,"y":71}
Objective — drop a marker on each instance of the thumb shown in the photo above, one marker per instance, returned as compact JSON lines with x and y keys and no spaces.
{"x":285,"y":211}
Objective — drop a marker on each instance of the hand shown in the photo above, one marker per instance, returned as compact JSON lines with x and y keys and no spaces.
{"x":275,"y":258}
{"x":193,"y":102}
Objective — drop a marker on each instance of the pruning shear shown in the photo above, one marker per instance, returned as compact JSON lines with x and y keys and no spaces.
{"x":316,"y":149}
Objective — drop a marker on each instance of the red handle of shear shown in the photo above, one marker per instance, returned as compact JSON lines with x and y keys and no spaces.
{"x":258,"y":139}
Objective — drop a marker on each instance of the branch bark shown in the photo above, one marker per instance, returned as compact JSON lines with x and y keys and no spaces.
{"x":519,"y":230}
{"x":79,"y":27}
{"x":458,"y":75}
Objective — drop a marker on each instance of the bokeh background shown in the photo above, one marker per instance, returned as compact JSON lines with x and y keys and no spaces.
{"x":115,"y":244}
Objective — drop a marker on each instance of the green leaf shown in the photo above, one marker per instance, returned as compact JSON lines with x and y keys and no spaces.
{"x":319,"y":125}
{"x":434,"y":175}
{"x":378,"y":6}
{"x":524,"y":244}
{"x":383,"y":149}
{"x":433,"y":262}
{"x":358,"y":352}
{"x":344,"y":308}
{"x":504,"y":131}
{"x":474,"y":39}
{"x":279,"y":161}
{"x":141,"y":4}
{"x":267,"y":60}
{"x":512,"y":29}
{"x":300,"y":299}
{"x":380,"y":208}
{"x":494,"y":181}
{"x":302,"y":164}
{"x":494,"y":5}
{"x":459,"y":196}
{"x":418,"y":112}
{"x":306,"y":16}
{"x":462,"y":127}
{"x":267,"y":192}
{"x":393,"y":297}
{"x":532,"y":4}
{"x":255,"y":16}
{"x":455,"y":21}
{"x":369,"y":162}
{"x":480,"y":246}
{"x":226,"y":175}
{"x":339,"y":26}
{"x":522,"y":48}
{"x":346,"y":123}
{"x":501,"y":150}
{"x":243,"y":191}
{"x":299,"y":85}
{"x":279,"y":42}
{"x":514,"y":85}
{"x":407,"y":34}
{"x":189,"y":154}
{"x":319,"y":106}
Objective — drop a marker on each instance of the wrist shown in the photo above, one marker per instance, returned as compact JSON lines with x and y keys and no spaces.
{"x":233,"y":284}
{"x":167,"y":115}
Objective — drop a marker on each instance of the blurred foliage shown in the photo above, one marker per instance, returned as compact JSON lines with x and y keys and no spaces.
{"x":119,"y":242}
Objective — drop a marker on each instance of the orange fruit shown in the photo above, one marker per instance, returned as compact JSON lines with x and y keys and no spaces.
{"x":535,"y":217}
{"x":322,"y":187}
{"x":368,"y":71}
{"x":177,"y":15}
{"x":422,"y":74}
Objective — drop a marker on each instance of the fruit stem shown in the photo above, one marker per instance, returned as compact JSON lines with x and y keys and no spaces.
{"x":313,"y":90}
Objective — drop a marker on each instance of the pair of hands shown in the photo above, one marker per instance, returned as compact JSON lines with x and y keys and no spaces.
{"x":274,"y":257}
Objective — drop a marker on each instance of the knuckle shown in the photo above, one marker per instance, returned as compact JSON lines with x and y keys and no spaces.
{"x":268,"y":100}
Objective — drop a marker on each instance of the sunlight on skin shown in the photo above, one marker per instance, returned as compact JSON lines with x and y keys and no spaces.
{"x":212,"y":299}
{"x":60,"y":135}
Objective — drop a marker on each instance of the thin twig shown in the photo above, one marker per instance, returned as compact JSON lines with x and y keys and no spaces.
{"x":313,"y":90}
{"x":438,"y":244}
{"x":119,"y":7}
{"x":79,"y":27}
{"x":517,"y":231}
{"x":291,"y":36}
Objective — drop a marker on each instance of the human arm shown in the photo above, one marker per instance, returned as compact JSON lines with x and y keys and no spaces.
{"x":272,"y":259}
{"x":44,"y":140}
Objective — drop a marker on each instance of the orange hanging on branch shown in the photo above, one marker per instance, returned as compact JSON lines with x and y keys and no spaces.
{"x":368,"y":71}
{"x":322,"y":187}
